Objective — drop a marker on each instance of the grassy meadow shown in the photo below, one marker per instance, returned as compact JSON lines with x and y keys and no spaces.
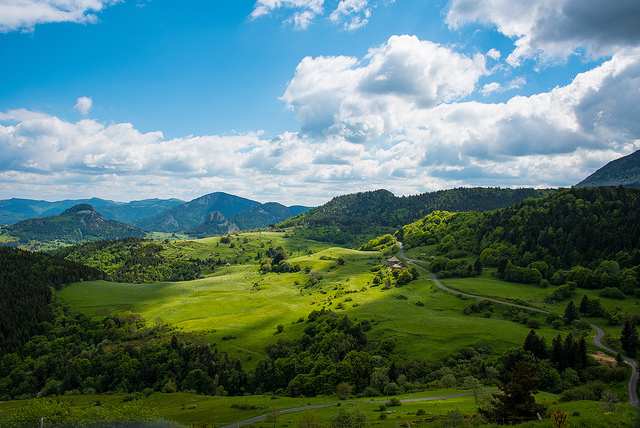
{"x":239,"y":309}
{"x":185,"y":409}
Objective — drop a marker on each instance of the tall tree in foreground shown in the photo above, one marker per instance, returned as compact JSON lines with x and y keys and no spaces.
{"x":629,"y":339}
{"x":517,"y":404}
{"x":571,"y":313}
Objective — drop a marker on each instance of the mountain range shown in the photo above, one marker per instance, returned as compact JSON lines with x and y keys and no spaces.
{"x":14,"y":210}
{"x":201,"y":217}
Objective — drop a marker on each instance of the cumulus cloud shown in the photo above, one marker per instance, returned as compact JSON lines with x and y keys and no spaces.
{"x":551,"y":30}
{"x":363,"y":100}
{"x":26,"y":14}
{"x":83,"y":105}
{"x":389,"y":121}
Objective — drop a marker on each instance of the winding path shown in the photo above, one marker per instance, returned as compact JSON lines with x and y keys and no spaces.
{"x":633,"y":381}
{"x":319,"y":406}
{"x":633,"y":397}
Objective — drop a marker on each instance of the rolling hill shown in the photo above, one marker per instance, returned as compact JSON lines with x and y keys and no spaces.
{"x":349,"y":218}
{"x":80,"y":223}
{"x":624,"y":171}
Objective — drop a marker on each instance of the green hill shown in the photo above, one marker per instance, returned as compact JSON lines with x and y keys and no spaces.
{"x":624,"y":171}
{"x":78,"y":224}
{"x":350,"y":218}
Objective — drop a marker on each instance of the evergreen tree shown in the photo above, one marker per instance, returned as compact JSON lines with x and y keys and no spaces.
{"x":581,"y":358}
{"x":584,"y":305}
{"x":571,"y":313}
{"x":569,"y":352}
{"x":556,"y":350}
{"x":629,"y":339}
{"x":517,"y":402}
{"x":535,"y":345}
{"x":477,"y":266}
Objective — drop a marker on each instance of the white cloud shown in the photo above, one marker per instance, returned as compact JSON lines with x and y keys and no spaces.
{"x":490,"y":88}
{"x":390,"y":121}
{"x":26,"y":14}
{"x":349,"y":14}
{"x":83,"y":105}
{"x":551,"y":30}
{"x":494,"y":54}
{"x":306,"y":10}
{"x":358,"y":11}
{"x":363,"y":100}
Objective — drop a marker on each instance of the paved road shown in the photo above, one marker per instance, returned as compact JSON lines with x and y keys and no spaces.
{"x":633,"y":381}
{"x":299,"y":409}
{"x":445,"y":288}
{"x":633,"y":396}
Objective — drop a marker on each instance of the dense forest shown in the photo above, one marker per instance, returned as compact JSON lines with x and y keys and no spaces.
{"x":586,"y":236}
{"x":137,"y":261}
{"x":26,"y":281}
{"x":347,"y":219}
{"x":122,"y":353}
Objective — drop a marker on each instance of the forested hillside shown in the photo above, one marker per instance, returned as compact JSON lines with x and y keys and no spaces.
{"x":26,"y":281}
{"x":135,"y":260}
{"x":78,"y":224}
{"x":347,"y":219}
{"x":594,"y":228}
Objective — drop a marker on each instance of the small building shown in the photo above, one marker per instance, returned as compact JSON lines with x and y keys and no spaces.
{"x":395,"y":263}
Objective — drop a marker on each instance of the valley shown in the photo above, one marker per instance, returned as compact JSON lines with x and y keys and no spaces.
{"x":244,"y":318}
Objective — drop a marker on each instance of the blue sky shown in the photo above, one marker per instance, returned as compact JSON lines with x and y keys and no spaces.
{"x":297,"y":101}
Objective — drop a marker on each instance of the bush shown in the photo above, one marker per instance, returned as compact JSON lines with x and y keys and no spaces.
{"x":533,"y":323}
{"x":394,"y":402}
{"x":612,"y":293}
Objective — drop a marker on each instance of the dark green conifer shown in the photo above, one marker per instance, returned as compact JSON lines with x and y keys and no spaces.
{"x":571,"y":313}
{"x":629,"y":339}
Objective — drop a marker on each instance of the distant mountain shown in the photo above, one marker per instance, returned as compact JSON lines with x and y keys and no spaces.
{"x":256,"y":217}
{"x":350,"y":218}
{"x":135,"y":210}
{"x":624,"y":171}
{"x":14,"y":210}
{"x":195,"y":212}
{"x":81,"y":223}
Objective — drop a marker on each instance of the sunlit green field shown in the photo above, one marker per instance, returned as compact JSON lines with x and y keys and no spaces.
{"x":239,"y":309}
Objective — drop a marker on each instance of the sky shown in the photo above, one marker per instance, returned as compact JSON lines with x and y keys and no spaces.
{"x":299,"y":101}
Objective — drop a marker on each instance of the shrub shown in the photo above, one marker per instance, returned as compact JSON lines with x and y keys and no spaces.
{"x":394,"y":402}
{"x":612,"y":293}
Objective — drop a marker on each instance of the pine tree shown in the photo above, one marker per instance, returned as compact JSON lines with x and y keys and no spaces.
{"x":629,"y":339}
{"x":556,"y":351}
{"x":584,"y":305}
{"x":581,"y":358}
{"x":571,"y":313}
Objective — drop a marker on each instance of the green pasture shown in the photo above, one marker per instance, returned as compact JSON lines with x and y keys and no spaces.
{"x":187,"y":409}
{"x":239,"y":309}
